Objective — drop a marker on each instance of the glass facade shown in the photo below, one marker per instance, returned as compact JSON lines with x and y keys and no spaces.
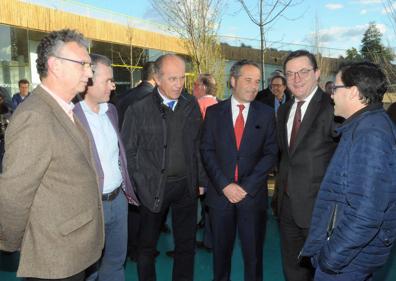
{"x":18,"y":55}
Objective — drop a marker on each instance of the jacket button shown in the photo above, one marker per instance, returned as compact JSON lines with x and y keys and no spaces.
{"x":165,"y":146}
{"x":162,"y":171}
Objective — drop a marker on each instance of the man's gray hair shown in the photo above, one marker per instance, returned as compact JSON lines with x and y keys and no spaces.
{"x":50,"y":45}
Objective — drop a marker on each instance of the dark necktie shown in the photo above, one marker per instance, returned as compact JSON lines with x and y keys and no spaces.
{"x":296,"y":125}
{"x":170,"y":104}
{"x":238,"y":130}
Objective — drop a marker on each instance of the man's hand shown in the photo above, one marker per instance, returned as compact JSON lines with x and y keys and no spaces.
{"x":234,"y":193}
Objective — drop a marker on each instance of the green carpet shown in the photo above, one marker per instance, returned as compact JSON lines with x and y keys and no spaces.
{"x":203,"y":262}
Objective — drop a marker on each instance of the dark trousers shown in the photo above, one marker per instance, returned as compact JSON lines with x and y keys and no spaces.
{"x":292,"y":239}
{"x":184,"y":220}
{"x":78,"y":277}
{"x":251,"y":224}
{"x":133,"y":230}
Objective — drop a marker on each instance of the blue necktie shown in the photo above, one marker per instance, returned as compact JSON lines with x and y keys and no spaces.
{"x":170,"y":104}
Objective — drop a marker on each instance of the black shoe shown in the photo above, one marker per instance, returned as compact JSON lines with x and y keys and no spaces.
{"x":201,"y":245}
{"x":165,"y":228}
{"x":170,"y":253}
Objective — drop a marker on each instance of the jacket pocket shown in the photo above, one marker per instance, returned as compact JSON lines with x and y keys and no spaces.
{"x":75,"y":223}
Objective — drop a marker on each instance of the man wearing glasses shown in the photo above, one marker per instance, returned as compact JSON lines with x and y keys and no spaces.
{"x":278,"y":89}
{"x":354,"y":220}
{"x":50,"y":205}
{"x":306,"y":143}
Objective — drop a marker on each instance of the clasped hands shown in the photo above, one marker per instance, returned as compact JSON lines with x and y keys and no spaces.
{"x":234,"y":193}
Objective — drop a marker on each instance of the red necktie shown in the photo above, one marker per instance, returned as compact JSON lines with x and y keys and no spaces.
{"x":296,"y":125}
{"x":238,"y":130}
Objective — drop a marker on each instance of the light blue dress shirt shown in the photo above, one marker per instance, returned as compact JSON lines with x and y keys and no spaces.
{"x":106,"y":143}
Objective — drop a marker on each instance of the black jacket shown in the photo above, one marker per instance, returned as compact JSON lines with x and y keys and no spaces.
{"x":144,"y":134}
{"x":131,"y":96}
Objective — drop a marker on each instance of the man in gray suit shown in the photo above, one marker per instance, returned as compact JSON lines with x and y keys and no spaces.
{"x":100,"y":120}
{"x":50,"y":205}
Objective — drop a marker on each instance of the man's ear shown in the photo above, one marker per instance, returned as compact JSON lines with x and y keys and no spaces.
{"x":232,"y":82}
{"x":354,"y":93}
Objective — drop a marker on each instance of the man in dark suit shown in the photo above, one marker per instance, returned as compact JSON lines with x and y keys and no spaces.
{"x":237,"y":156}
{"x":161,"y":135}
{"x":278,"y":95}
{"x":100,"y":121}
{"x":140,"y":91}
{"x":305,"y":138}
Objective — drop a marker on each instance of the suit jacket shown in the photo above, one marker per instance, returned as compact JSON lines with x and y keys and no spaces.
{"x":126,"y":182}
{"x":303,"y":168}
{"x":256,"y":156}
{"x":17,"y":99}
{"x":132,"y":96}
{"x":50,"y":204}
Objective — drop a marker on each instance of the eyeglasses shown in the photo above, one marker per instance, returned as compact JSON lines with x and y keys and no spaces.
{"x":303,"y":73}
{"x":276,"y":86}
{"x":335,"y":87}
{"x":85,"y":64}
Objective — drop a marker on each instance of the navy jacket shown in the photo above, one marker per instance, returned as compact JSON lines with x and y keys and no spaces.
{"x":354,"y":220}
{"x":256,"y":156}
{"x":126,"y":185}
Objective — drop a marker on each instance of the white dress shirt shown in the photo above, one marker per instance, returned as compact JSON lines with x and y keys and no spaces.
{"x":293,"y":112}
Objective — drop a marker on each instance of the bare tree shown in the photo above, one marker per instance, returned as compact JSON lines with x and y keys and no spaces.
{"x":197,"y":21}
{"x":269,"y":11}
{"x":132,"y":60}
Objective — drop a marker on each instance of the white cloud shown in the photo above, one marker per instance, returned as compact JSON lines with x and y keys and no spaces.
{"x":345,"y":34}
{"x":367,"y":2}
{"x":363,"y":12}
{"x":334,"y":6}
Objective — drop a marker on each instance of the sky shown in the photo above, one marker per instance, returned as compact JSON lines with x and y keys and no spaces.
{"x":340,"y":24}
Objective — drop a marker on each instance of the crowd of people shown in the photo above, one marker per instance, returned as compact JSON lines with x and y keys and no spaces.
{"x":86,"y":183}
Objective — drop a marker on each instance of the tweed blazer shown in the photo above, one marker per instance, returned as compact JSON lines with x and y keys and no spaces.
{"x":50,"y":205}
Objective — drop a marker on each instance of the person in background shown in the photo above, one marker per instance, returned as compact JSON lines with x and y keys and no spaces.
{"x":329,"y":87}
{"x":354,"y":220}
{"x":278,"y":89}
{"x":23,"y":85}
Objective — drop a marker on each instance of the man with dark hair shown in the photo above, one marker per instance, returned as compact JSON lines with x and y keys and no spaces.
{"x":305,"y":138}
{"x":161,"y":135}
{"x":354,"y":220}
{"x":132,"y":95}
{"x":238,"y":149}
{"x":329,"y":87}
{"x":23,"y":85}
{"x":99,"y":118}
{"x":50,"y":205}
{"x":278,"y":89}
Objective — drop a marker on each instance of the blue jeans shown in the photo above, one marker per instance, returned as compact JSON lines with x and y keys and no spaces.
{"x":111,"y":264}
{"x":347,"y":276}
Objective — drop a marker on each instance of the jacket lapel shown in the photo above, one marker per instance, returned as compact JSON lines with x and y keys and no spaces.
{"x":228,"y":124}
{"x":248,"y":132}
{"x":282,"y":123}
{"x":75,"y":130}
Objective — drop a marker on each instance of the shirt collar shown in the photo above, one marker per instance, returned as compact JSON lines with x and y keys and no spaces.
{"x":235,"y":103}
{"x":103,"y":107}
{"x":67,"y":107}
{"x":165,"y":100}
{"x":308,"y":99}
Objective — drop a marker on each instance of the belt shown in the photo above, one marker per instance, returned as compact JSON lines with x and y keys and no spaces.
{"x":112,"y":195}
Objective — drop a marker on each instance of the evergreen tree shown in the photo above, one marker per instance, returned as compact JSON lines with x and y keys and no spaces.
{"x":372,"y":48}
{"x":353,"y":54}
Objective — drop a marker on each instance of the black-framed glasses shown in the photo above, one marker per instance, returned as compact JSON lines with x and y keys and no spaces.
{"x":335,"y":87}
{"x":302,"y":73}
{"x":85,"y":64}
